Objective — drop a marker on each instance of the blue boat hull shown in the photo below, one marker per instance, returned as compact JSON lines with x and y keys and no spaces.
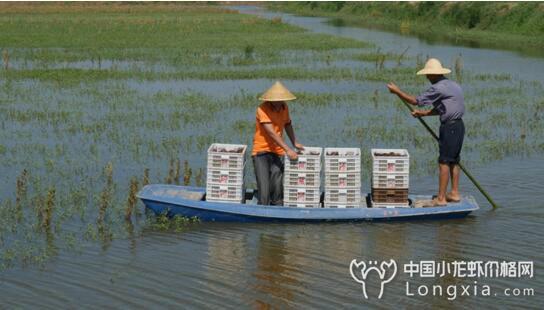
{"x":165,"y":199}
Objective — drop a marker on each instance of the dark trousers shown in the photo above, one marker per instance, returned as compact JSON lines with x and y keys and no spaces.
{"x":450,"y":141}
{"x":269,"y":175}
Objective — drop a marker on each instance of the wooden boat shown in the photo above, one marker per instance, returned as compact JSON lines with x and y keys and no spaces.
{"x":189,"y":201}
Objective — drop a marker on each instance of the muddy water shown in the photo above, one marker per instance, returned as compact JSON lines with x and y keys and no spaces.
{"x":306,"y":265}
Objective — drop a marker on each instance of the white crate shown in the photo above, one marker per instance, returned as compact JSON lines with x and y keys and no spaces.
{"x":390,"y":180}
{"x":301,"y":179}
{"x":225,"y":177}
{"x":341,"y":206}
{"x":216,"y":192}
{"x":343,"y":180}
{"x":342,"y":159}
{"x":226,"y":156}
{"x":301,"y":195}
{"x":390,"y":164}
{"x":302,"y":205}
{"x":308,"y":160}
{"x":343,"y":196}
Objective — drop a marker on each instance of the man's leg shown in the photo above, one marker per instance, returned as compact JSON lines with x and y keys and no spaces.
{"x":456,"y":141}
{"x":454,"y":195}
{"x":276,"y":180}
{"x":443,"y":183}
{"x":262,"y":174}
{"x":443,"y":168}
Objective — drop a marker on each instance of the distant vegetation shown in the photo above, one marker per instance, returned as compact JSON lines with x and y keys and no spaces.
{"x":488,"y":22}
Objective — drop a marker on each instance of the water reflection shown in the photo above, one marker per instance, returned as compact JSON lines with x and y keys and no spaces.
{"x":274,"y":277}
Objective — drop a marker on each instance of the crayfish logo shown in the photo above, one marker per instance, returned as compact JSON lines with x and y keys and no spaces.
{"x":360,"y":271}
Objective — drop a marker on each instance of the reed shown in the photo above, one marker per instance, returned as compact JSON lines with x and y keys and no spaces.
{"x":106,"y":194}
{"x":177,"y":174}
{"x":48,"y":211}
{"x":459,"y":68}
{"x":131,"y":200}
{"x":199,"y":177}
{"x":21,"y":192}
{"x":187,"y":172}
{"x":145,"y":180}
{"x":401,"y":56}
{"x":171,"y":173}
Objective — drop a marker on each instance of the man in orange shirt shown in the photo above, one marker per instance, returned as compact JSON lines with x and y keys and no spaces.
{"x":269,"y":146}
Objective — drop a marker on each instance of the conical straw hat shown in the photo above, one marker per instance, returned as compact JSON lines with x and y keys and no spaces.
{"x":277,"y":92}
{"x":433,"y":66}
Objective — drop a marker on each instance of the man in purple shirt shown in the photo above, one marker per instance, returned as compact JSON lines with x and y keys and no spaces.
{"x":447,"y":101}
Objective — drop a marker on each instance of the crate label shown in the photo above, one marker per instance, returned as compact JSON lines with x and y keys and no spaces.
{"x":301,"y":196}
{"x":301,"y":180}
{"x":302,"y":163}
{"x":342,"y":181}
{"x":390,"y":166}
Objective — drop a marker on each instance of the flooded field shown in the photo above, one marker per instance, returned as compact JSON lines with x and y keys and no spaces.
{"x":83,"y":129}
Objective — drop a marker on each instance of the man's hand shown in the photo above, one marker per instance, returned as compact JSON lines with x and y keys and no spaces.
{"x":292,"y":154}
{"x":299,"y":146}
{"x":393,"y":88}
{"x":419,"y":113}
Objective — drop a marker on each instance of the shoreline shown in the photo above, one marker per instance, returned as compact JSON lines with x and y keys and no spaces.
{"x":530,"y":45}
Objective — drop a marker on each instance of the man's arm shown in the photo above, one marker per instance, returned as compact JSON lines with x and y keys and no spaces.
{"x":269,"y":129}
{"x":402,"y":95}
{"x":420,"y":113}
{"x":291,"y":134}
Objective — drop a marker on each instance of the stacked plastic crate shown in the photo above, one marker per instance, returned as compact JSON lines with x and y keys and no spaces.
{"x":302,"y":179}
{"x":225,"y":174}
{"x":342,"y":177}
{"x":390,"y":177}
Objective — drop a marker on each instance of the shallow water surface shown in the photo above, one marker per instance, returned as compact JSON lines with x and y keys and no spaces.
{"x":296,"y":265}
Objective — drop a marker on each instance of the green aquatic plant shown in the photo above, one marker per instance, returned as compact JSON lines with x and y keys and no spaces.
{"x":175,"y":223}
{"x":5,"y":58}
{"x":249,"y":50}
